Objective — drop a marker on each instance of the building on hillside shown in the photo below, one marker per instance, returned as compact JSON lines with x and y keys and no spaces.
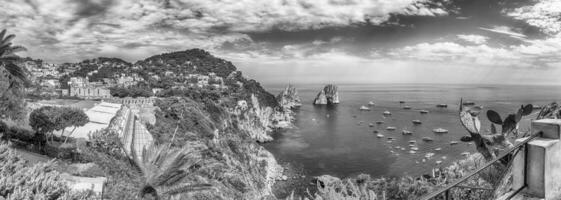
{"x":156,"y":90}
{"x":50,"y":83}
{"x":202,"y":81}
{"x":78,"y":81}
{"x":89,"y":92}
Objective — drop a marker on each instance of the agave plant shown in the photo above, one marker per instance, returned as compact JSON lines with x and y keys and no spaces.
{"x":164,"y":168}
{"x":489,"y":144}
{"x":16,"y":74}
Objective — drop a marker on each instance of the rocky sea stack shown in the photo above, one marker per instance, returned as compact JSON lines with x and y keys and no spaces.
{"x":289,"y":98}
{"x":327,"y":96}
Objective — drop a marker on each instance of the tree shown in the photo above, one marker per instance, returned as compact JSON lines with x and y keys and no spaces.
{"x":12,"y":78}
{"x":47,"y":119}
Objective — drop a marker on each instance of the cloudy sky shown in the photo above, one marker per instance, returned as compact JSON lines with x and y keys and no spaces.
{"x":309,"y":41}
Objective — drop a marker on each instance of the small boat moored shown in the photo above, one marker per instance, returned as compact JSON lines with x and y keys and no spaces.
{"x":379,"y":122}
{"x":364,"y":108}
{"x":371,"y":103}
{"x":379,"y":135}
{"x":387,"y":113}
{"x":427,"y":139}
{"x":440,"y":130}
{"x":453,"y":142}
{"x":417,"y":122}
{"x":406,"y":132}
{"x":442,"y":105}
{"x":390,"y":128}
{"x":424,"y":111}
{"x":406,"y":107}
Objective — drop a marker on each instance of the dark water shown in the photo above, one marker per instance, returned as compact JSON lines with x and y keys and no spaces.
{"x":329,"y":140}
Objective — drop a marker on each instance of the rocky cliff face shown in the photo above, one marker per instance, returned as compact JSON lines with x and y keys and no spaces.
{"x":327,"y":96}
{"x":260,"y":121}
{"x":289,"y":99}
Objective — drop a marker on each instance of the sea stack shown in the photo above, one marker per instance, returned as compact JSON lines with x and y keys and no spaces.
{"x":289,"y":98}
{"x":327,"y":96}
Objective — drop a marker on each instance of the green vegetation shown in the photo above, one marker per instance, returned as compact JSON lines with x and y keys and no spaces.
{"x":12,"y":79}
{"x":47,"y":119}
{"x":140,"y":90}
{"x":18,"y":180}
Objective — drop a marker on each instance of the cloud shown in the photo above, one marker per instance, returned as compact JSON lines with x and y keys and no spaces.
{"x":545,"y":14}
{"x":476,"y":39}
{"x":69,"y":30}
{"x":536,"y":54}
{"x":505,"y":30}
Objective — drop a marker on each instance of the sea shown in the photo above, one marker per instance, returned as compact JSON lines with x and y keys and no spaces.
{"x":340,"y":140}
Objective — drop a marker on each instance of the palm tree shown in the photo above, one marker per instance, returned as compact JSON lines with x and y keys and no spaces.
{"x":164,"y":168}
{"x":16,"y":74}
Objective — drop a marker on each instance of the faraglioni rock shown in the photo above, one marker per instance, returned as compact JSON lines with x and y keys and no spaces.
{"x":289,"y":98}
{"x":327,"y":96}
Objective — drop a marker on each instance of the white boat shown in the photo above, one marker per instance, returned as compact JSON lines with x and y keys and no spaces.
{"x":406,"y":107}
{"x":424,"y":111}
{"x":403,"y":149}
{"x":453,"y":142}
{"x":411,"y":145}
{"x":371,"y":124}
{"x":390,"y":128}
{"x":440,"y":130}
{"x":429,"y":155}
{"x":406,"y":132}
{"x":387,"y":113}
{"x":412,"y":141}
{"x":427,"y":139}
{"x":371,"y":103}
{"x":379,"y":135}
{"x":417,"y":122}
{"x":412,"y":152}
{"x":364,"y":108}
{"x":438,"y":162}
{"x":438,"y":149}
{"x":415,"y":148}
{"x":442,"y":105}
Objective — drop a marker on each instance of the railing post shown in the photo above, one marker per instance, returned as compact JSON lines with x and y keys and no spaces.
{"x":538,"y":169}
{"x":448,"y":194}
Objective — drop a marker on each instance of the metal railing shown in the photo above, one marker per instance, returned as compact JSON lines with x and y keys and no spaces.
{"x":445,"y":193}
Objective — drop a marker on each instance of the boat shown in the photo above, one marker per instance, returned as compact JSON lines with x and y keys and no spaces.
{"x":379,"y":135}
{"x":438,"y":149}
{"x":412,"y":141}
{"x":375,"y":131}
{"x":427,"y":139}
{"x":401,"y":101}
{"x":364,"y":108}
{"x":417,"y":122}
{"x":390,"y":138}
{"x":371,"y":103}
{"x":387,"y":113}
{"x":429,"y":155}
{"x":442,"y":105}
{"x":406,"y":107}
{"x":379,"y":122}
{"x":371,"y":124}
{"x":406,"y":132}
{"x":403,"y":149}
{"x":453,"y":142}
{"x":468,"y":103}
{"x":415,"y":148}
{"x":424,"y":111}
{"x":438,"y":162}
{"x":411,"y":145}
{"x":440,"y":130}
{"x":412,"y":152}
{"x":390,"y":128}
{"x":466,"y":154}
{"x":397,"y":147}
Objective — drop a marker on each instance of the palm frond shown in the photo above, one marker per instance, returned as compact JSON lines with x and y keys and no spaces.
{"x":2,"y":34}
{"x":14,"y":49}
{"x":8,"y":39}
{"x":186,"y":188}
{"x":16,"y":71}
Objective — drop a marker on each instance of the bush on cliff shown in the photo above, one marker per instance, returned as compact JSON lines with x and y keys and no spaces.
{"x":20,"y":180}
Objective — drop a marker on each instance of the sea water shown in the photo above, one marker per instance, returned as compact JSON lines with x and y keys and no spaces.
{"x":338,"y":140}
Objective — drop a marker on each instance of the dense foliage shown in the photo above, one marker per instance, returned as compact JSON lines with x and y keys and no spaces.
{"x":47,"y":119}
{"x":12,"y":79}
{"x":18,"y":180}
{"x":140,"y":90}
{"x":188,"y":61}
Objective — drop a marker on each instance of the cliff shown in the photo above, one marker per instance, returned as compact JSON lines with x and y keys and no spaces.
{"x":329,"y":95}
{"x":288,"y":98}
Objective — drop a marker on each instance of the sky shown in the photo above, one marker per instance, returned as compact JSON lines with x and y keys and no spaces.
{"x":309,"y":41}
